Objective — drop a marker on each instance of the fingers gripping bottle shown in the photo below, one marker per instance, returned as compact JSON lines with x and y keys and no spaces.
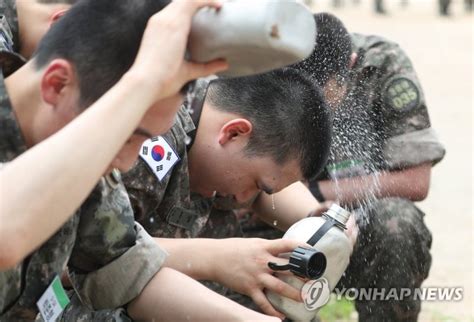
{"x":326,"y":236}
{"x":253,"y":36}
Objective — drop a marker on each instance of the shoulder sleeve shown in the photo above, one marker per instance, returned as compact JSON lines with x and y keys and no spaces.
{"x":409,"y":139}
{"x":119,"y":282}
{"x":113,"y":257}
{"x":147,"y":181}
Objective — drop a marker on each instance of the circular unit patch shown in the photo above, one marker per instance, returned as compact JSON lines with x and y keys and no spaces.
{"x":402,"y":94}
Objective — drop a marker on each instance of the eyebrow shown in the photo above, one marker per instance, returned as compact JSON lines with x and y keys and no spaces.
{"x":142,"y":132}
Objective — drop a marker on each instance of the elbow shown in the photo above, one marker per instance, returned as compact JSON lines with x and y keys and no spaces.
{"x":419,"y":195}
{"x":421,"y":191}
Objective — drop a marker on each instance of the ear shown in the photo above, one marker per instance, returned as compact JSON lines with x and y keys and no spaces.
{"x":55,"y":16}
{"x":233,"y":129}
{"x":353,"y":60}
{"x":56,"y":78}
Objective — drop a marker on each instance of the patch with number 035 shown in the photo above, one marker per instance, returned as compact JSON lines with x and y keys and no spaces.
{"x":402,"y":94}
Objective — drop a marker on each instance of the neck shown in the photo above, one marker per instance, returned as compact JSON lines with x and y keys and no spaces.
{"x":34,"y":20}
{"x":24,"y":97}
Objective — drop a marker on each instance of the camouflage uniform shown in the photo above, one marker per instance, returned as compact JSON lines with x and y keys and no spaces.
{"x":9,"y":38}
{"x":382,"y":124}
{"x":166,"y":207}
{"x":108,"y":240}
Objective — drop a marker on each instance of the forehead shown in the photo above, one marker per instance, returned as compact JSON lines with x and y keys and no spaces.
{"x":277,"y":176}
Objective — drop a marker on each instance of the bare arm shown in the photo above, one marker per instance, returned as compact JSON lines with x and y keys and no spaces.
{"x":292,"y":204}
{"x":412,"y":183}
{"x":286,"y":207}
{"x":108,"y":123}
{"x":238,"y":263}
{"x":172,"y":296}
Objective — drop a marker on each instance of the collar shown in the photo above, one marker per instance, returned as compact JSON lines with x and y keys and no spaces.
{"x":9,"y":12}
{"x":12,"y":143}
{"x":195,"y":108}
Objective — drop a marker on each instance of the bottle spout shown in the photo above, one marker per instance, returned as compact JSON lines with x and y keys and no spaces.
{"x":338,"y":213}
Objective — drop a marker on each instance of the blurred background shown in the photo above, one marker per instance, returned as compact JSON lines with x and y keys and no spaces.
{"x":440,"y":45}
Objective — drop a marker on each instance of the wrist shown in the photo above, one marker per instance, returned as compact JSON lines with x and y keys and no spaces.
{"x":220,"y":250}
{"x":139,"y":84}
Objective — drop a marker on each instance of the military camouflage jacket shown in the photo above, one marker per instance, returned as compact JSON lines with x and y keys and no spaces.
{"x":158,"y":184}
{"x":21,"y":287}
{"x":111,"y":260}
{"x":9,"y":37}
{"x":383,"y":122}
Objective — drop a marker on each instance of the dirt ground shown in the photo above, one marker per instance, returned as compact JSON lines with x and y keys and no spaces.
{"x":442,"y":52}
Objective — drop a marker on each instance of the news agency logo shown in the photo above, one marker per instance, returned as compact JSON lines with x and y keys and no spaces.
{"x":440,"y":294}
{"x":315,"y":293}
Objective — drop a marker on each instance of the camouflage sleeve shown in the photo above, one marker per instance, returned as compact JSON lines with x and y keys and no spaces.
{"x":9,"y":59}
{"x":114,"y":257}
{"x":150,"y":177}
{"x":409,"y":138}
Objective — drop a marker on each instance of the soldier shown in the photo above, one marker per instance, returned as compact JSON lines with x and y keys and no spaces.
{"x":444,"y":7}
{"x":246,"y":141}
{"x":379,"y":7}
{"x":56,"y":102}
{"x":380,"y":161}
{"x":468,"y":5}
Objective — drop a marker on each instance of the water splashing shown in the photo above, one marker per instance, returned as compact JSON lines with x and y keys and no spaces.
{"x":357,"y":150}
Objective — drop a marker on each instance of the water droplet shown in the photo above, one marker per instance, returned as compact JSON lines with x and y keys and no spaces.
{"x":275,"y":223}
{"x":187,"y":140}
{"x":273,"y":202}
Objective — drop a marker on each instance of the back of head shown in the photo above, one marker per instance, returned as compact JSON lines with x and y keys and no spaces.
{"x":288,"y":112}
{"x":331,"y":55}
{"x":100,"y":38}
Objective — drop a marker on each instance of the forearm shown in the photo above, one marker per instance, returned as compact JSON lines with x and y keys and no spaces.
{"x":193,"y":256}
{"x":172,"y":296}
{"x":411,"y":183}
{"x":71,"y":163}
{"x":286,"y":207}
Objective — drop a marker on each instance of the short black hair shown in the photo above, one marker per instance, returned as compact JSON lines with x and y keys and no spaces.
{"x":288,"y":112}
{"x":331,"y":55}
{"x":101,"y":39}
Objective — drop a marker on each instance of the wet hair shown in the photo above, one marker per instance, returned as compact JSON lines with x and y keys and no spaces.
{"x":331,"y":55}
{"x":101,"y":39}
{"x":287,"y":110}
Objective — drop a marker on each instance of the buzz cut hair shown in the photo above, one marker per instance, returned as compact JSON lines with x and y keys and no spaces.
{"x":332,"y":53}
{"x":100,"y":38}
{"x":290,"y":118}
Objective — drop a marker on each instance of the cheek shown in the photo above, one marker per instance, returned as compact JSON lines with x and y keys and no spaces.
{"x":128,"y":155}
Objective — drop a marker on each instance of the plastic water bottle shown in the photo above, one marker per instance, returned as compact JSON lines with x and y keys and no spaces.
{"x":327,"y":234}
{"x":253,"y":36}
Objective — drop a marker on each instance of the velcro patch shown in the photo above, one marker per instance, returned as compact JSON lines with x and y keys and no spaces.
{"x":402,"y":94}
{"x":159,"y":156}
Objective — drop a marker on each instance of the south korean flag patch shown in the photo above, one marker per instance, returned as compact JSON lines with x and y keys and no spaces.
{"x":159,"y":156}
